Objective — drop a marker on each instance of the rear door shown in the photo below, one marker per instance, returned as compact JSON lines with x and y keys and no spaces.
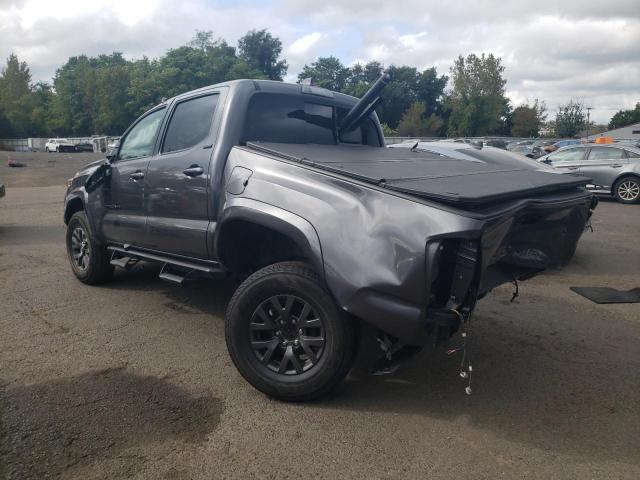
{"x":603,"y":165}
{"x":177,"y":182}
{"x":568,"y":160}
{"x":125,"y":216}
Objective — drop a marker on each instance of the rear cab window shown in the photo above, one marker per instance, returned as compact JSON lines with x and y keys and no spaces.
{"x":282,"y":118}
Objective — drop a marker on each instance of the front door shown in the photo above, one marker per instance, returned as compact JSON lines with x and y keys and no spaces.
{"x":177,"y":181}
{"x":603,"y":165}
{"x":125,"y":216}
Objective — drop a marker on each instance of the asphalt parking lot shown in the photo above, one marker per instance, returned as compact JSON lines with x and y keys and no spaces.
{"x":132,"y":379}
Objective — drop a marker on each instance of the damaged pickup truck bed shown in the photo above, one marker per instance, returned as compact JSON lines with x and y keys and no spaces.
{"x":289,"y":189}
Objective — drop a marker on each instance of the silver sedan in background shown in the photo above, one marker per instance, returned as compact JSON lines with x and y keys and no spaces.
{"x":614,"y":168}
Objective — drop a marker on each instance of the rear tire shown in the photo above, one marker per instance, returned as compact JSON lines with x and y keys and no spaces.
{"x":286,"y":335}
{"x":90,"y":261}
{"x":627,"y":190}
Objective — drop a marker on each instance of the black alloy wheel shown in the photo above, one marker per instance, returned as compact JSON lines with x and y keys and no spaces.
{"x":80,"y":248}
{"x":90,"y":260}
{"x":287,"y":335}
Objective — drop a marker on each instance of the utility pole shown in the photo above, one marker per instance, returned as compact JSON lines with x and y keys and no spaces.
{"x":588,"y":121}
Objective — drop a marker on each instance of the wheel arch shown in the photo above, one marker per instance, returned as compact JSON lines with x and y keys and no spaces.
{"x":253,"y":231}
{"x":622,"y":175}
{"x":73,"y":205}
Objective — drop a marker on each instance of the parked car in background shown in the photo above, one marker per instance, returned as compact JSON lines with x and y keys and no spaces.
{"x":538,"y":148}
{"x":495,"y":142}
{"x":560,"y":144}
{"x":59,"y":145}
{"x":524,"y":149}
{"x":614,"y":169}
{"x":474,"y":153}
{"x":84,"y":147}
{"x":520,"y":143}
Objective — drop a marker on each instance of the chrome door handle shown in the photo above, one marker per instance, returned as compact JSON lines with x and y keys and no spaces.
{"x":193,"y":171}
{"x":135,"y":176}
{"x":572,"y":168}
{"x":617,"y":165}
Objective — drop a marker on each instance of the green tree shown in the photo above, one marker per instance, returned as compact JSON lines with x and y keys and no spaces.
{"x":5,"y":127}
{"x":477,"y":102}
{"x":622,"y":118}
{"x":15,"y":97}
{"x":40,"y":109}
{"x":360,"y":78}
{"x":144,"y":89}
{"x":261,"y":52}
{"x":526,"y":119}
{"x":326,"y":72}
{"x":570,"y":119}
{"x":408,"y":85}
{"x":415,"y":123}
{"x":73,"y":105}
{"x":430,"y":90}
{"x":387,"y":131}
{"x":112,"y":112}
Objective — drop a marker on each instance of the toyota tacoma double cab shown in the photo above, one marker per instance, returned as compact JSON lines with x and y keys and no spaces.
{"x":289,"y":190}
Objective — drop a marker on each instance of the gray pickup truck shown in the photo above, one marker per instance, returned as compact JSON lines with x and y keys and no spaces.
{"x":289,"y":189}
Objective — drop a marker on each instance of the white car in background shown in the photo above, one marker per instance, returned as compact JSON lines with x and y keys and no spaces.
{"x":59,"y":145}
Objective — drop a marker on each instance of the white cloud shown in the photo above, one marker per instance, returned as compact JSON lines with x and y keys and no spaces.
{"x":127,"y":12}
{"x":302,"y":45}
{"x":552,"y":50}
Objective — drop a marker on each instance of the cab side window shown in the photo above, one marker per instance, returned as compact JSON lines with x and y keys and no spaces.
{"x":190,"y":123}
{"x":141,"y":139}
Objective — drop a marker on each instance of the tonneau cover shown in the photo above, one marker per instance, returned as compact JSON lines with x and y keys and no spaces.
{"x":426,"y":174}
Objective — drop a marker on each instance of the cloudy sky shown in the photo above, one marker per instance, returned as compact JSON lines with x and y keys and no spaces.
{"x":553,"y":50}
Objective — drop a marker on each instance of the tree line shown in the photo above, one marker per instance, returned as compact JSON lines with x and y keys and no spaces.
{"x":105,"y":93}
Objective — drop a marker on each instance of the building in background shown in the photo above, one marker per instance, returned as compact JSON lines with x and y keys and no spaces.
{"x":630,"y":132}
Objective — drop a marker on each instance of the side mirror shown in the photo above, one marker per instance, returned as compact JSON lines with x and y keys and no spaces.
{"x":99,"y":177}
{"x":112,"y":153}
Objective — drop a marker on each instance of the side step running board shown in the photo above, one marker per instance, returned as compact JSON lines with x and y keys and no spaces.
{"x":120,"y":253}
{"x":176,"y":275}
{"x":122,"y":261}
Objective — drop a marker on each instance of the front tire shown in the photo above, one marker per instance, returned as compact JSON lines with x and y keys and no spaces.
{"x":89,"y":260}
{"x":46,"y":149}
{"x":286,"y":335}
{"x":627,"y":190}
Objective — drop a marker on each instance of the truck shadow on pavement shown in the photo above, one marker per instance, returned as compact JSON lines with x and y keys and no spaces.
{"x":202,"y":296}
{"x":58,"y":426}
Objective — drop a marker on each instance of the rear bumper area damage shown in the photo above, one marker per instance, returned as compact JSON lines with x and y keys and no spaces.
{"x":462,"y":267}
